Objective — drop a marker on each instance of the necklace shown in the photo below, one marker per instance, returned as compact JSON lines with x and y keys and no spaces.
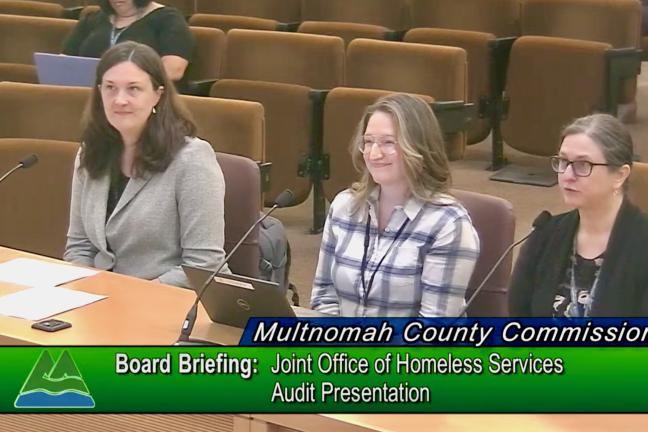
{"x":586,"y":305}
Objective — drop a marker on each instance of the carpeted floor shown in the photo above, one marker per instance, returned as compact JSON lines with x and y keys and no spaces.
{"x":470,"y":174}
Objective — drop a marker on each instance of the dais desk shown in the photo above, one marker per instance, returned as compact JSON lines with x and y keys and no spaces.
{"x":136,"y":312}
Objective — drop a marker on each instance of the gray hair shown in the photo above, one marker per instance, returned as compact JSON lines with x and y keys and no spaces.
{"x":609,"y":134}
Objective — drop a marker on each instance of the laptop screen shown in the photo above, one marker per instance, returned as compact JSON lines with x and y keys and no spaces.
{"x":58,"y":69}
{"x":233,"y":299}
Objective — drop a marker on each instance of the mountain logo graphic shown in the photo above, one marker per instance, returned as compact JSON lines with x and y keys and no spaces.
{"x":54,"y":385}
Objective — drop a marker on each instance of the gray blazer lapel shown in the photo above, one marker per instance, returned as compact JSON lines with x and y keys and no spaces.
{"x":98,"y":208}
{"x":132,"y":189}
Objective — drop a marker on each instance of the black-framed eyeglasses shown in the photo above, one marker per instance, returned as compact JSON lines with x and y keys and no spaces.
{"x":581,"y":168}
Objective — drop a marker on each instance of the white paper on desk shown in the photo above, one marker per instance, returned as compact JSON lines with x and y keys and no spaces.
{"x":33,"y":273}
{"x":39,"y":303}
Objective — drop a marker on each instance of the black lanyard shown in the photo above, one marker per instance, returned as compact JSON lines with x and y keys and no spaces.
{"x":363,"y":266}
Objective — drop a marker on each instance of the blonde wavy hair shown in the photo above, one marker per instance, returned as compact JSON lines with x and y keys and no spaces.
{"x":421,"y":143}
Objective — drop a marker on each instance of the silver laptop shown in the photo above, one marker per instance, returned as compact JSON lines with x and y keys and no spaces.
{"x":232,"y":299}
{"x":65,"y":70}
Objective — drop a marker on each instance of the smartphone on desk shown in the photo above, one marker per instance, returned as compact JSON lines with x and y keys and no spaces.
{"x":51,"y":325}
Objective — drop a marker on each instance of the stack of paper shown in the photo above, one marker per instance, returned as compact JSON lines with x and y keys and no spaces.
{"x":44,"y":299}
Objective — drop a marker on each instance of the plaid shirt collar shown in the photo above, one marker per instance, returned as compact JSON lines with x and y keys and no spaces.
{"x":411,"y":208}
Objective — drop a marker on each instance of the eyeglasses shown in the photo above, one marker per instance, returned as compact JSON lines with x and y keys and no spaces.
{"x":386,"y":143}
{"x":581,"y":168}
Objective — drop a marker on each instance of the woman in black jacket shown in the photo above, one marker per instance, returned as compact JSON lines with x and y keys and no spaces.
{"x":593,"y":260}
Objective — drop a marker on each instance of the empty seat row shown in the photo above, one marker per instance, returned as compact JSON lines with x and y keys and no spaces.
{"x":477,"y":26}
{"x":480,"y":22}
{"x":35,"y":111}
{"x":281,"y":71}
{"x":502,"y":18}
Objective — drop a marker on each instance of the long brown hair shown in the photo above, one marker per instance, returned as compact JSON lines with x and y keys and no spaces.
{"x":164,"y":133}
{"x":421,"y":142}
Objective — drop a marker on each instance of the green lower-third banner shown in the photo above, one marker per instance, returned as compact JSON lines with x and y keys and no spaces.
{"x":322,"y":380}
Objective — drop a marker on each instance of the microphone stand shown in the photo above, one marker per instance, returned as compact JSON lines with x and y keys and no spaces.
{"x":282,"y":200}
{"x":539,"y":222}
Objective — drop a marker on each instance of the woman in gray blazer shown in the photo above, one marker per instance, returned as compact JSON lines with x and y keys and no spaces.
{"x":147,"y":195}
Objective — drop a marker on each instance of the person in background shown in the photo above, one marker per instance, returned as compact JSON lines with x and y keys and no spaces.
{"x":162,"y":28}
{"x":147,"y":195}
{"x":396,"y":243}
{"x":592,"y":260}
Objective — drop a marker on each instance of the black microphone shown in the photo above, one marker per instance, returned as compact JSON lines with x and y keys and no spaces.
{"x":284,"y":199}
{"x":26,"y":162}
{"x":538,"y":223}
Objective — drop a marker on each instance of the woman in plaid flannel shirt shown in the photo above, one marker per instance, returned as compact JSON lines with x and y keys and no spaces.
{"x":396,"y":243}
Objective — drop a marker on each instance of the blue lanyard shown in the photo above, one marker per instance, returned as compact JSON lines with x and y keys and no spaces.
{"x":114,"y":35}
{"x":363,"y":266}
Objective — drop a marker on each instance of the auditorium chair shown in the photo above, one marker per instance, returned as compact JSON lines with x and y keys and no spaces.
{"x":638,"y":191}
{"x":348,"y":31}
{"x":391,"y":14}
{"x":497,"y":17}
{"x":242,"y":205}
{"x":617,"y":23}
{"x":549,"y":82}
{"x":286,"y":73}
{"x":283,"y":11}
{"x":229,"y":22}
{"x":21,"y":37}
{"x":494,"y":222}
{"x":207,"y":58}
{"x":484,"y":29}
{"x":41,"y":111}
{"x":435,"y":71}
{"x":480,"y":51}
{"x":354,"y":19}
{"x":31,"y":8}
{"x":34,"y":216}
{"x":230,"y":126}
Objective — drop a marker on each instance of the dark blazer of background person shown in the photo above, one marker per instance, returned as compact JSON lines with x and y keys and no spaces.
{"x":623,"y":280}
{"x":163,"y":29}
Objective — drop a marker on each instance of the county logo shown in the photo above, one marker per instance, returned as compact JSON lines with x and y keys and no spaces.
{"x":54,"y":385}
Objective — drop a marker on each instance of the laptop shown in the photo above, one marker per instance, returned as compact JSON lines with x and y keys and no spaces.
{"x":232,"y":299}
{"x":65,"y":70}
